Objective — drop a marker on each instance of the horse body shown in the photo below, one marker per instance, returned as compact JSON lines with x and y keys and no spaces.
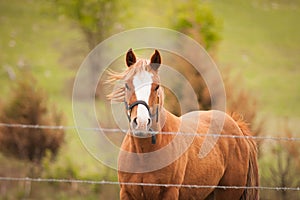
{"x":227,"y":164}
{"x":230,"y":161}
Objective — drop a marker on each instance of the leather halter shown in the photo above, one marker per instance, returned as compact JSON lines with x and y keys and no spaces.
{"x":129,"y":108}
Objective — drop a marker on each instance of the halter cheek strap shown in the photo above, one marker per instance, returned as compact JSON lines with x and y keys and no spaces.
{"x":131,"y":106}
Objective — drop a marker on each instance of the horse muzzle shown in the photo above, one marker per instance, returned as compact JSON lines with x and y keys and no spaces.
{"x":141,"y":127}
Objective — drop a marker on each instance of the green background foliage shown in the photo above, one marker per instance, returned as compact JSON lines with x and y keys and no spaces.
{"x":255,"y":44}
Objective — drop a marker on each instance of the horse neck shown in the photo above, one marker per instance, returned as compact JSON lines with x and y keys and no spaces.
{"x":168,"y":123}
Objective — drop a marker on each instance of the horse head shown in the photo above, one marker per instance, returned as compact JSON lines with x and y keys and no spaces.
{"x":142,"y":92}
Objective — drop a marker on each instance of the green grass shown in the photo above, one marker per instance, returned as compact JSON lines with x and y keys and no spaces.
{"x":34,"y":39}
{"x":261,"y":44}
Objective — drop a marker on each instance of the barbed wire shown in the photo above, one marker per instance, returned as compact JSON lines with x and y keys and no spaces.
{"x":151,"y":132}
{"x":104,"y":182}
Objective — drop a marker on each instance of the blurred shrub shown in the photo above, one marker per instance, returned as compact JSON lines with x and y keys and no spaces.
{"x":28,"y":106}
{"x":238,"y":99}
{"x":197,"y":20}
{"x":281,"y":168}
{"x":241,"y":101}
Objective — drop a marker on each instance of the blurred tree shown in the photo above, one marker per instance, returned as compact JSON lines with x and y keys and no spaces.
{"x":197,"y":20}
{"x":28,"y":106}
{"x":97,"y":19}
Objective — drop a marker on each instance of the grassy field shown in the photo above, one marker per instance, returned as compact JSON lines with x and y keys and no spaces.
{"x":260,"y":44}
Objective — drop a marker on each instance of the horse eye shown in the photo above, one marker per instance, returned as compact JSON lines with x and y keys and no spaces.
{"x":156,"y":88}
{"x":127,"y":87}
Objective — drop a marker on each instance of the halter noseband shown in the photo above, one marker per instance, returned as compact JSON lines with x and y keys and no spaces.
{"x":129,"y":108}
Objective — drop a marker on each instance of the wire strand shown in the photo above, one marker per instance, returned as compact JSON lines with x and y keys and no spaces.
{"x":104,"y":182}
{"x":123,"y":130}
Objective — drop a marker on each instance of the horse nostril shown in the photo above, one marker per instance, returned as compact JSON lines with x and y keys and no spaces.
{"x":134,"y":122}
{"x":149,"y":122}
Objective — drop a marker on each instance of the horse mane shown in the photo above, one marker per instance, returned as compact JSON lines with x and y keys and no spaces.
{"x":114,"y":78}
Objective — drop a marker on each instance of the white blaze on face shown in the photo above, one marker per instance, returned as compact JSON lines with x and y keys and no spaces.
{"x":142,"y":82}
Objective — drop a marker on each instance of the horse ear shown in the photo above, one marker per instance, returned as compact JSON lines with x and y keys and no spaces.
{"x":130,"y":58}
{"x":155,"y":60}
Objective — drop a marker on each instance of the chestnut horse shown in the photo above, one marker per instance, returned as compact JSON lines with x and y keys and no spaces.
{"x":150,"y":154}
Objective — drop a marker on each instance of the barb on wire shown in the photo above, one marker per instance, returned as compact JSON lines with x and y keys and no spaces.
{"x":104,"y":182}
{"x":124,"y":131}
